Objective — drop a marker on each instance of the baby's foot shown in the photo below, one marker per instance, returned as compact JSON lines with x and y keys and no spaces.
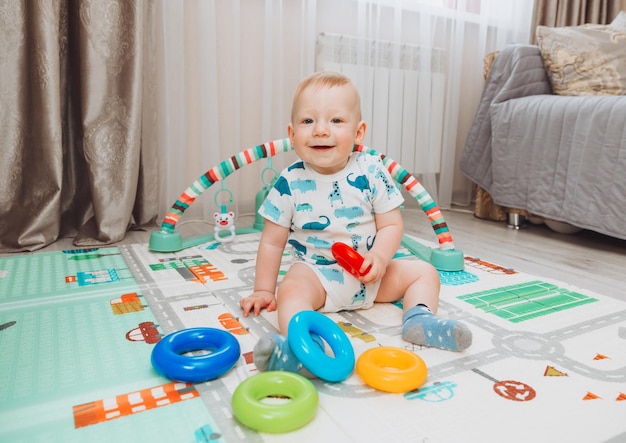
{"x":421,"y":327}
{"x":273,"y":353}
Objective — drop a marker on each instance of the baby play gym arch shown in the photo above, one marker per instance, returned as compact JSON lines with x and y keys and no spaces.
{"x":166,"y":239}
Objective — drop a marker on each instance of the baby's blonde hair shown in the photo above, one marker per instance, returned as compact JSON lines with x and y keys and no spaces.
{"x":323,"y":79}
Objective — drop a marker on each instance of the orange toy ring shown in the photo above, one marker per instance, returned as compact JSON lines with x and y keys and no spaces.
{"x":391,"y":369}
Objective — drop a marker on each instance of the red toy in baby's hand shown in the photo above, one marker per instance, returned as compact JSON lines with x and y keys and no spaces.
{"x":348,"y":258}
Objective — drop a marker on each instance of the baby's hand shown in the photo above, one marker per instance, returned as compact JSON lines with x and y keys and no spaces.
{"x":377,"y":265}
{"x":256,"y":301}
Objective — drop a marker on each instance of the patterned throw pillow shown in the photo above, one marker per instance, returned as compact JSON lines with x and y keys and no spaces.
{"x":587,"y":59}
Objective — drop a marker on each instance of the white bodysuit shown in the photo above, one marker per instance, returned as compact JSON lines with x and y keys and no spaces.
{"x":321,"y":209}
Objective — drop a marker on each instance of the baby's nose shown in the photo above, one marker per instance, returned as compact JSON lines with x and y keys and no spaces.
{"x":320,"y":129}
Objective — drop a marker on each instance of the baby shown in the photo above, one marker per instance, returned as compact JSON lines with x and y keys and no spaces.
{"x":332,"y":194}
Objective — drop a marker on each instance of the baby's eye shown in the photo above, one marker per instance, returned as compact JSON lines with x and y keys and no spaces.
{"x":336,"y":120}
{"x":307,"y":121}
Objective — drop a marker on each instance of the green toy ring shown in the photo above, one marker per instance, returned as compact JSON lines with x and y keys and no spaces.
{"x":252,"y":412}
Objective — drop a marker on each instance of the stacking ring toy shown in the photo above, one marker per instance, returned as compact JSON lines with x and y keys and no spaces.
{"x":332,"y":369}
{"x":168,"y":361}
{"x":348,"y":258}
{"x":391,"y":369}
{"x":251,"y":411}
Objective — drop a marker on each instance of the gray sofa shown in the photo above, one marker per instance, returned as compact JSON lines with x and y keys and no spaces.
{"x":558,"y":157}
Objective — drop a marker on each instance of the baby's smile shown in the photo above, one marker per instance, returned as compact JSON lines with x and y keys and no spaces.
{"x":321,"y":147}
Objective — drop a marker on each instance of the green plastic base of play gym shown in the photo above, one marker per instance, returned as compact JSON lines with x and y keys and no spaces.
{"x":174,"y":242}
{"x":165,"y":241}
{"x":451,"y":260}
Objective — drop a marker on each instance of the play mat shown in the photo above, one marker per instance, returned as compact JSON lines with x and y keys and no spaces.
{"x":77,"y":328}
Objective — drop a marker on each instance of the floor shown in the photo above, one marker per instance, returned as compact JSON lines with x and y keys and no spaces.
{"x":586,"y":259}
{"x":562,"y":358}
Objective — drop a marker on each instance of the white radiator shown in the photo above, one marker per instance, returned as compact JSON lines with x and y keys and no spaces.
{"x":402,"y":95}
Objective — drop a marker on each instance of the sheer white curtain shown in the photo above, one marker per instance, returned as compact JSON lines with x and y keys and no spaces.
{"x":226,"y":69}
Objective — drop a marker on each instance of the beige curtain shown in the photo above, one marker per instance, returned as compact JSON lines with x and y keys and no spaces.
{"x":575,"y":12}
{"x":71,"y":155}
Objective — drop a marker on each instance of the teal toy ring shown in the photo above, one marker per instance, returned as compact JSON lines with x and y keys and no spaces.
{"x":332,"y":369}
{"x":226,"y":191}
{"x":270,"y":182}
{"x":168,"y":361}
{"x":252,"y":412}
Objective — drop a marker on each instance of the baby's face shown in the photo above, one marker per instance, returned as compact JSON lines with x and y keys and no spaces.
{"x":326,"y":125}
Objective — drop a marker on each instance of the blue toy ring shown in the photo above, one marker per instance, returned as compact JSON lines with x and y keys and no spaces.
{"x":168,"y":361}
{"x":332,"y":369}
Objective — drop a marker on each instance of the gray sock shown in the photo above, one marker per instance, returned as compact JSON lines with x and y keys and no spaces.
{"x":421,"y":327}
{"x":273,"y":353}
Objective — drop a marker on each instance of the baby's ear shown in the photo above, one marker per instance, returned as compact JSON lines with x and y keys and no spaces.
{"x":290,"y":133}
{"x":361,"y":130}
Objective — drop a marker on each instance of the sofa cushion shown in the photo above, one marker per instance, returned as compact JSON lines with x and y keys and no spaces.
{"x":586,"y":59}
{"x":620,"y":21}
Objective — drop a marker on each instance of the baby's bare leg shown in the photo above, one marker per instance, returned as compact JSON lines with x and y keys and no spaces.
{"x":299,"y":291}
{"x":415,"y":280}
